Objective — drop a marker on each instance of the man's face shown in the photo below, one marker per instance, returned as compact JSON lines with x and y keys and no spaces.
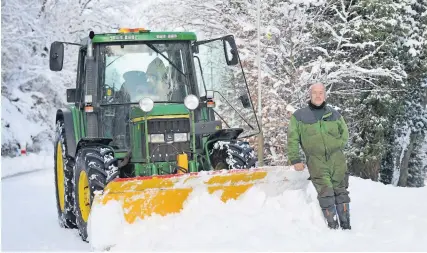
{"x":317,"y":94}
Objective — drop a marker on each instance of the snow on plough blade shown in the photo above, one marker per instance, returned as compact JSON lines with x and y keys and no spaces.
{"x":141,"y":197}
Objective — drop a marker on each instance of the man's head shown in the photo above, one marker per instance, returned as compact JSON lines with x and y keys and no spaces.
{"x":317,"y":93}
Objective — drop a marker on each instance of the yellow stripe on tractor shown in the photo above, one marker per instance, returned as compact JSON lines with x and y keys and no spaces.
{"x":134,"y":120}
{"x":143,"y":196}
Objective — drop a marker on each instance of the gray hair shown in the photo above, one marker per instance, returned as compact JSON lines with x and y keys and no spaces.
{"x":311,"y":86}
{"x":316,"y":83}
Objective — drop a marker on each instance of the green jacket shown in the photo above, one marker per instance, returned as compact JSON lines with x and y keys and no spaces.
{"x":317,"y":138}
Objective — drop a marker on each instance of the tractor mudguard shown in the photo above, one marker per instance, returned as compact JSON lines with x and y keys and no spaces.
{"x":223,"y":134}
{"x":66,"y":114}
{"x":85,"y":141}
{"x":229,"y":133}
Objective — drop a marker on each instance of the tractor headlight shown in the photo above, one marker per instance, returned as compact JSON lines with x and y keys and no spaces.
{"x":146,"y":104}
{"x":191,"y":102}
{"x":157,"y":138}
{"x":180,"y":137}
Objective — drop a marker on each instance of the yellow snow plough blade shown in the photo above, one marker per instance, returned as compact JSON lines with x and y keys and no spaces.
{"x":142,"y":196}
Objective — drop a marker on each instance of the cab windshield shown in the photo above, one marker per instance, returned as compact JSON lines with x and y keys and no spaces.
{"x":154,"y":70}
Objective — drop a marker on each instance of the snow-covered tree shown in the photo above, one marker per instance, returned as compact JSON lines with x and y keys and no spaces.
{"x":31,"y":93}
{"x":404,"y":163}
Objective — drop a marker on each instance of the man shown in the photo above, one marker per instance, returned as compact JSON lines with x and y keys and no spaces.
{"x":135,"y":86}
{"x":322,"y":133}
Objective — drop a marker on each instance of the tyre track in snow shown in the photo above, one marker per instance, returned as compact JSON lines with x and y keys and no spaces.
{"x":21,"y":174}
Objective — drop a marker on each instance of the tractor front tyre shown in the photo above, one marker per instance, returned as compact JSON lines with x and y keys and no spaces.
{"x":63,"y":179}
{"x":95,"y":167}
{"x":232,"y":154}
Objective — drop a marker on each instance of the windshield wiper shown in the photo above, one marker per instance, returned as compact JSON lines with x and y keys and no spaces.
{"x":157,"y":51}
{"x":114,"y":60}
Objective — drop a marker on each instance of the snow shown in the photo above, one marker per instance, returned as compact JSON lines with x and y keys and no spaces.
{"x":26,"y":163}
{"x":281,"y":217}
{"x":403,"y":142}
{"x":19,"y":121}
{"x":28,"y":213}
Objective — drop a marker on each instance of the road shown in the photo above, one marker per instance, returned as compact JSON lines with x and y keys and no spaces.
{"x":29,"y":220}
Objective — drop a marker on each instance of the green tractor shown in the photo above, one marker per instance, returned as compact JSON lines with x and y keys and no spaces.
{"x":149,"y":106}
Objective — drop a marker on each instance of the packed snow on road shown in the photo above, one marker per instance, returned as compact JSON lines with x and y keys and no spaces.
{"x":384,"y":218}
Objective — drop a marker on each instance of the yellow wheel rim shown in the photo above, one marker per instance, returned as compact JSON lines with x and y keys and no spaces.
{"x":60,"y":176}
{"x":84,"y":196}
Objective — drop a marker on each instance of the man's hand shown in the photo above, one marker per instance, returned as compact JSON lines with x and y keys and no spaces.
{"x":299,"y":166}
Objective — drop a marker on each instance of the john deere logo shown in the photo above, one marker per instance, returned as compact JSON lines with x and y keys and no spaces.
{"x":169,"y":137}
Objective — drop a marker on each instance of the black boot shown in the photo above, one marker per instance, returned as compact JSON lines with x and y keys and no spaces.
{"x":344,"y":215}
{"x":331,"y":217}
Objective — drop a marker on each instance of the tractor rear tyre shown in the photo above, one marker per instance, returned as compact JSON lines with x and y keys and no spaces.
{"x":63,"y":179}
{"x":232,"y":154}
{"x":95,"y":168}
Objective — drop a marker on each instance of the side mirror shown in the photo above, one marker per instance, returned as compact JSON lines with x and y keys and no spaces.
{"x":72,"y":96}
{"x":56,"y":58}
{"x":246,"y":102}
{"x":230,"y":50}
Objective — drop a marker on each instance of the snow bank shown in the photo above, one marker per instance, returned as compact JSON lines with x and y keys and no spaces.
{"x":26,"y":163}
{"x":278,"y":218}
